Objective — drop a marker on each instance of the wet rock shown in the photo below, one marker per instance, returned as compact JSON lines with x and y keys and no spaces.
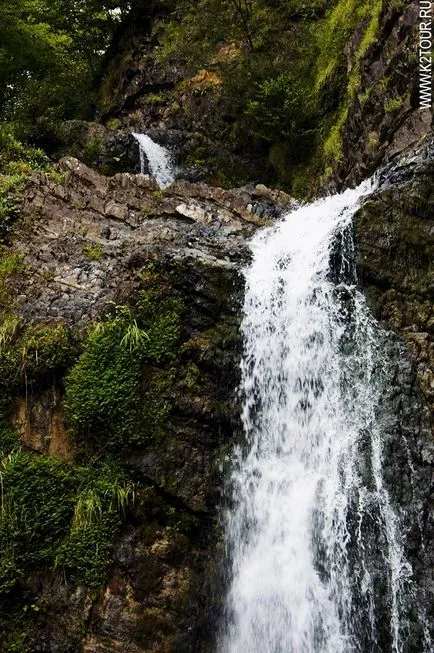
{"x":387,"y":121}
{"x":395,"y":247}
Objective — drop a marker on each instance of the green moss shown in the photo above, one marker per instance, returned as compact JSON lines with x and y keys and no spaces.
{"x":93,"y":251}
{"x":36,"y":507}
{"x":103,"y":388}
{"x":336,"y":30}
{"x":393,"y":104}
{"x":157,"y":404}
{"x":92,"y":150}
{"x":114,"y":123}
{"x":58,"y":177}
{"x":11,"y":187}
{"x":10,"y":266}
{"x":333,"y":144}
{"x":153,"y":99}
{"x":192,"y":377}
{"x":31,"y":354}
{"x":160,"y":315}
{"x":9,"y":440}
{"x":174,"y":107}
{"x":339,"y":25}
{"x":99,"y":506}
{"x":114,"y":395}
{"x":372,"y":141}
{"x":58,"y":514}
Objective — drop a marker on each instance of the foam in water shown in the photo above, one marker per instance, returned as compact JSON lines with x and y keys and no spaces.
{"x":159,"y":160}
{"x":315,"y":558}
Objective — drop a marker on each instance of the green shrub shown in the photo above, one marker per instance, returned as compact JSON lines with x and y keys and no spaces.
{"x":103,"y":388}
{"x":100,"y":502}
{"x":9,"y":440}
{"x":33,"y":353}
{"x":35,"y":510}
{"x":93,"y":251}
{"x":10,"y":266}
{"x":107,"y":399}
{"x":58,"y":514}
{"x":160,"y":315}
{"x":17,"y":161}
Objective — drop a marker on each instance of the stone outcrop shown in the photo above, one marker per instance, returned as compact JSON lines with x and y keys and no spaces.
{"x":85,"y":244}
{"x":84,"y":240}
{"x":385,"y":119}
{"x":395,"y":237}
{"x":394,"y":233}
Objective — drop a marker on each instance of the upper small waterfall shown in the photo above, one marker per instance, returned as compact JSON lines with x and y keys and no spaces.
{"x":159,"y":160}
{"x":315,"y":556}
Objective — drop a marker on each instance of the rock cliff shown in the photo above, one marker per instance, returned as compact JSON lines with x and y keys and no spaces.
{"x":119,"y":346}
{"x":86,"y":250}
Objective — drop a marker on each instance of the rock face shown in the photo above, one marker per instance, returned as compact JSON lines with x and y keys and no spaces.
{"x":85,"y":244}
{"x":83,"y":236}
{"x":385,"y":119}
{"x":395,"y":236}
{"x":394,"y":232}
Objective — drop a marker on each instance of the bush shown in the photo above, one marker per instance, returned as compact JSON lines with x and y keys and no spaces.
{"x":36,"y":509}
{"x":107,"y":401}
{"x":32,"y":354}
{"x":58,"y":514}
{"x":17,"y":161}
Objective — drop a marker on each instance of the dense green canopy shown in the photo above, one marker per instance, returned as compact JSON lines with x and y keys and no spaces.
{"x":50,"y":52}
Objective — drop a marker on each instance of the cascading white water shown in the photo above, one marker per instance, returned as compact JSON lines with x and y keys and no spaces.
{"x":159,"y":159}
{"x":316,"y":562}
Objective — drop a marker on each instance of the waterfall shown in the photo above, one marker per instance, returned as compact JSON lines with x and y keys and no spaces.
{"x":159,"y":160}
{"x":316,"y":561}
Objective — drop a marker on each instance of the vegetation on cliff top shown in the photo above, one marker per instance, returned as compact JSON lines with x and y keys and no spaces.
{"x":284,"y":74}
{"x":287,"y":71}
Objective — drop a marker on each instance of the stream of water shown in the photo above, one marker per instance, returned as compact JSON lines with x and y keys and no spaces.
{"x":159,"y":160}
{"x":316,"y":560}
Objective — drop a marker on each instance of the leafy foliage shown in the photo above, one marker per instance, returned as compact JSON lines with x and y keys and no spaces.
{"x":60,"y":514}
{"x":16,"y":163}
{"x":284,"y":70}
{"x":105,"y":391}
{"x":49,"y":55}
{"x":33,"y":353}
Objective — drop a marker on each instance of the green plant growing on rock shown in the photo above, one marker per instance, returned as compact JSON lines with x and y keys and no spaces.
{"x":339,"y":24}
{"x":108,"y":399}
{"x":153,"y":99}
{"x":102,"y":496}
{"x":57,"y":513}
{"x":92,"y":150}
{"x":31,"y":354}
{"x":393,"y":104}
{"x":134,"y":337}
{"x":93,"y":251}
{"x":114,"y":124}
{"x":10,"y":188}
{"x":373,"y":140}
{"x":9,"y":440}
